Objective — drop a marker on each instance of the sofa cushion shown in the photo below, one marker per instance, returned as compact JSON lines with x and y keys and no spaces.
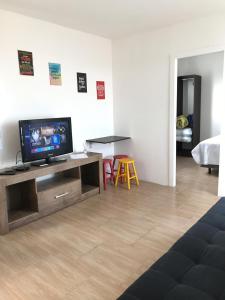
{"x":184,"y":292}
{"x":161,"y":284}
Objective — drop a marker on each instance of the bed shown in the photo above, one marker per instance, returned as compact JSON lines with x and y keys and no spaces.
{"x":207,"y":153}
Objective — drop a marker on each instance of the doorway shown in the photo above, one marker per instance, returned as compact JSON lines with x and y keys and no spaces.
{"x":185,"y":67}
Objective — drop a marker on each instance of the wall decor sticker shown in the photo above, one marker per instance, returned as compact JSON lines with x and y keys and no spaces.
{"x":25,"y":63}
{"x":82,"y":82}
{"x":55,"y":74}
{"x":100,"y":87}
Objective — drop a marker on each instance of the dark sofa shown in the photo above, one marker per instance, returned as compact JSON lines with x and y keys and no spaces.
{"x":193,"y":269}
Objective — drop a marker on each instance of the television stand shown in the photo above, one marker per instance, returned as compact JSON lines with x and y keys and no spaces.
{"x":37,"y":192}
{"x":48,"y":161}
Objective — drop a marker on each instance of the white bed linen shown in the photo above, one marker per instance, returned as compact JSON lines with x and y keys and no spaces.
{"x":207,"y":152}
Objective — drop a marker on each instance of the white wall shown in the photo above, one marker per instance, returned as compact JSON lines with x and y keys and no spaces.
{"x":141,"y":74}
{"x":210,"y":67}
{"x":26,"y":97}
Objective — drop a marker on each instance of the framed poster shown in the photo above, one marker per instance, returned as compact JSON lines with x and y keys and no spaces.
{"x":100,"y":87}
{"x":26,"y":63}
{"x":55,"y":74}
{"x":82,"y":82}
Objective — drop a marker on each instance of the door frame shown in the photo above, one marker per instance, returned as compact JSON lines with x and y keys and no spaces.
{"x":173,"y":114}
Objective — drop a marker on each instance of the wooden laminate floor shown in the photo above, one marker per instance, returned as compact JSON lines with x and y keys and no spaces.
{"x":94,"y":250}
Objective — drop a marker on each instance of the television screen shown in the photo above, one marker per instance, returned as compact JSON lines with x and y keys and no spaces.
{"x":45,"y":138}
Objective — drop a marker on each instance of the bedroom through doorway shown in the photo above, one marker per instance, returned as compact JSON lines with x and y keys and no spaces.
{"x":199,"y":121}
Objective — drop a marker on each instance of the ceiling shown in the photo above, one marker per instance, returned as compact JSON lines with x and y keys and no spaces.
{"x":115,"y":18}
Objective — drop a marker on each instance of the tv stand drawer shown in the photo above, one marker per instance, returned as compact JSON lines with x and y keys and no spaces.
{"x":60,"y":196}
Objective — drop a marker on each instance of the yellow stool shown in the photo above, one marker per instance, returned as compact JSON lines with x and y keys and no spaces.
{"x":124,"y":171}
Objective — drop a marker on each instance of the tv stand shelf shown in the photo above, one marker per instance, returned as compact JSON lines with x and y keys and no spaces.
{"x":53,"y":183}
{"x":30,"y":195}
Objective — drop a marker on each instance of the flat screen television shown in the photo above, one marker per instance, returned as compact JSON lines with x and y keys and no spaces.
{"x":43,"y":139}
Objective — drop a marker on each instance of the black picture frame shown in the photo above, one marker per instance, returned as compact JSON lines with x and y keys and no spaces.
{"x":82,"y":82}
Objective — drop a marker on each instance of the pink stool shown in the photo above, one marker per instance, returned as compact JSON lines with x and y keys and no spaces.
{"x":107,"y":162}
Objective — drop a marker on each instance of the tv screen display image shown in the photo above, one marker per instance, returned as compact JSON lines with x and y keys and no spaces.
{"x":45,"y":138}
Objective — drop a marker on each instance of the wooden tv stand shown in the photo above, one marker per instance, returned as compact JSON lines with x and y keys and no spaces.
{"x":30,"y":195}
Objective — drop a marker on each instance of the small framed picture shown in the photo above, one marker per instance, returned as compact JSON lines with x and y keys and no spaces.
{"x":82,"y":82}
{"x":100,"y":87}
{"x":55,"y":74}
{"x":26,"y":63}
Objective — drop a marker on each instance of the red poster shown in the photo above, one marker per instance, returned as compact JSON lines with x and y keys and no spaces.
{"x":100,"y":86}
{"x":26,"y":63}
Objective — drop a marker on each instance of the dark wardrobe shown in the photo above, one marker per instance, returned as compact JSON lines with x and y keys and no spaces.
{"x":189,"y":105}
